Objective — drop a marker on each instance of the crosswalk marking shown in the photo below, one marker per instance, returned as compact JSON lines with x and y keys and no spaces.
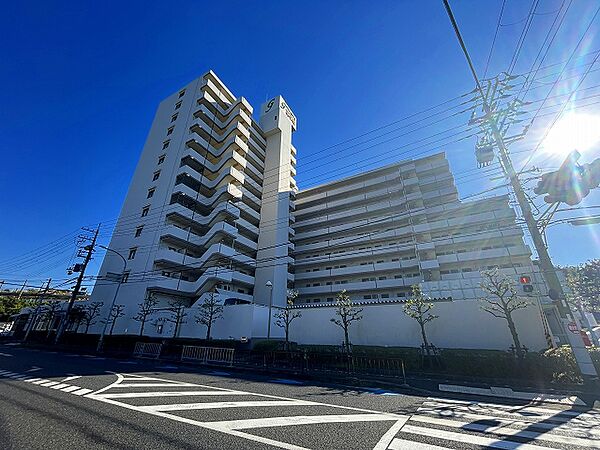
{"x":401,"y":444}
{"x":222,"y":405}
{"x":49,"y":384}
{"x":170,"y":394}
{"x":82,"y":391}
{"x":31,"y":380}
{"x":268,"y":422}
{"x":470,"y":438}
{"x":70,"y":389}
{"x":505,"y":430}
{"x":136,"y":385}
{"x":60,"y":386}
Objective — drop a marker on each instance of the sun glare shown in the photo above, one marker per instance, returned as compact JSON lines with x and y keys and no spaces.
{"x":575,"y":131}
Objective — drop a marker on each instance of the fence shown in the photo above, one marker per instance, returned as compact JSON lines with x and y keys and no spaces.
{"x":147,"y":350}
{"x":208,"y":354}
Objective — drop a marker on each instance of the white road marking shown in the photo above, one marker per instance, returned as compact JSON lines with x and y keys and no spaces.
{"x":8,"y":355}
{"x":471,"y":439}
{"x":504,"y":430}
{"x":268,"y":422}
{"x":401,"y":444}
{"x":385,"y":440}
{"x":526,"y":413}
{"x":49,"y":384}
{"x":169,"y":394}
{"x":82,"y":391}
{"x":31,"y":380}
{"x":233,"y":427}
{"x":130,"y":385}
{"x":70,"y":388}
{"x":60,"y":386}
{"x":73,"y":377}
{"x":34,"y":369}
{"x":40,"y":381}
{"x":222,"y":405}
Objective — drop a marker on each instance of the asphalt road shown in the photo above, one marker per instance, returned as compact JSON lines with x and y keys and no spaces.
{"x":54,"y":400}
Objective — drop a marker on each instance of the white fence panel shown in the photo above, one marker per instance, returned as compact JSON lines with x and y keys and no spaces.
{"x":208,"y":354}
{"x":147,"y":350}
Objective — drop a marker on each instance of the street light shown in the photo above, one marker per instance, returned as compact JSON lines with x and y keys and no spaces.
{"x":270,"y":287}
{"x":101,"y":340}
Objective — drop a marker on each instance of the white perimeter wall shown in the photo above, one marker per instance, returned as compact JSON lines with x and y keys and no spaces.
{"x":460,"y":325}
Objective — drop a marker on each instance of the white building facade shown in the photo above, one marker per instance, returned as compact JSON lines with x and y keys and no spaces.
{"x":213,"y":207}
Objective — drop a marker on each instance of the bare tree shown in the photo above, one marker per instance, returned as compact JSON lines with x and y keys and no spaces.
{"x":210,"y":311}
{"x":417,"y":307}
{"x":50,"y":311}
{"x":76,"y":316}
{"x":92,"y":311}
{"x":115,"y":312}
{"x":147,"y":308}
{"x":348,"y":313}
{"x":284,"y":317}
{"x":503,"y":301}
{"x":178,"y":314}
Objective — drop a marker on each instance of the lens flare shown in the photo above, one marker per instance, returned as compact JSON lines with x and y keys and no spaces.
{"x":575,"y":131}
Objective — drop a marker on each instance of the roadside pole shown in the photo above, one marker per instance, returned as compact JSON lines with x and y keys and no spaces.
{"x":35,"y":313}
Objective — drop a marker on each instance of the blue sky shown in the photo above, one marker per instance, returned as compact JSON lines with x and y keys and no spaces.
{"x":82,"y":81}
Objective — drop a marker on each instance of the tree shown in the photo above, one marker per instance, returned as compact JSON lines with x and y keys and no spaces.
{"x":11,"y":304}
{"x":115,"y":312}
{"x":76,"y":316}
{"x":50,"y":311}
{"x":147,"y":308}
{"x":210,"y":311}
{"x":178,"y":314}
{"x":91,"y":312}
{"x":584,"y":283}
{"x":284,"y":317}
{"x":348,"y":313}
{"x":502,"y":302}
{"x":417,"y":307}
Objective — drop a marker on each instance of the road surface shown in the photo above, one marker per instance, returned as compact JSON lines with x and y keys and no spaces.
{"x":54,"y":400}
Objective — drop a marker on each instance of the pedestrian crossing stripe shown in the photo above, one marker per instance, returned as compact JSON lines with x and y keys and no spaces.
{"x":56,"y":385}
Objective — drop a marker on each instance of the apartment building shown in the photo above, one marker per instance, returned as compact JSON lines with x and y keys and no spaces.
{"x":213,"y":207}
{"x":378,"y":233}
{"x":209,"y":204}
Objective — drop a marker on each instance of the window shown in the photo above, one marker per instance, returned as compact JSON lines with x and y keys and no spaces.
{"x":161,"y":159}
{"x":170,"y":131}
{"x":174,"y":117}
{"x":177,"y":105}
{"x":132,"y":252}
{"x":150,"y":193}
{"x":367,"y":297}
{"x":156,"y":175}
{"x":181,"y":93}
{"x":145,"y":211}
{"x":385,"y":295}
{"x":125,"y":277}
{"x":138,"y":231}
{"x":329,"y":299}
{"x":165,"y":144}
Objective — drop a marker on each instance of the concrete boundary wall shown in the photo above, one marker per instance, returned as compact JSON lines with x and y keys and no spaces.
{"x":459,"y":325}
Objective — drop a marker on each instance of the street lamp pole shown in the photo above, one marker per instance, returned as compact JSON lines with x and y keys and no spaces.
{"x":270,"y":286}
{"x":101,"y":340}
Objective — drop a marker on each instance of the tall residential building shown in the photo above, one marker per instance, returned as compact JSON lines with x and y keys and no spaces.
{"x":209,"y":206}
{"x":378,"y":233}
{"x":213,"y":208}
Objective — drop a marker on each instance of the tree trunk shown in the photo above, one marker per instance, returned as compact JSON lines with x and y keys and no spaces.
{"x":112,"y":326}
{"x":208,"y":331}
{"x":142,"y":323}
{"x":287,"y":335}
{"x":515,"y":336}
{"x":424,"y":336}
{"x":87,"y":327}
{"x":347,"y":339}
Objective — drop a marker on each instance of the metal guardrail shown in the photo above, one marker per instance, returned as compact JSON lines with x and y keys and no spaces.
{"x":208,"y":354}
{"x":147,"y":350}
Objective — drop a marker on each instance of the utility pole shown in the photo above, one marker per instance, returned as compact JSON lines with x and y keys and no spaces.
{"x":35,"y":313}
{"x":90,"y":250}
{"x":556,"y":292}
{"x":21,"y":290}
